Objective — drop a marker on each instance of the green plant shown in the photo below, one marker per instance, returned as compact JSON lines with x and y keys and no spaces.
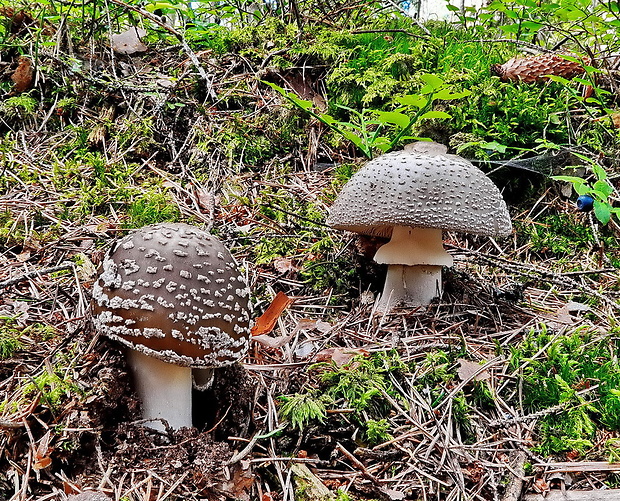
{"x":600,"y":189}
{"x":151,"y":207}
{"x":377,"y":431}
{"x":52,"y":386}
{"x":22,"y":107}
{"x":366,"y":128}
{"x":9,"y":337}
{"x":363,"y":383}
{"x":577,"y":375}
{"x":302,"y":409}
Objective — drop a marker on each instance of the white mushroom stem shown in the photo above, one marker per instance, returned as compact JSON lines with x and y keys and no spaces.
{"x":414,"y":257}
{"x":164,"y":389}
{"x":410,"y":286}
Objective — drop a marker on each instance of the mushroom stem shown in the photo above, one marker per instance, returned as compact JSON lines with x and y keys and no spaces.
{"x":164,"y":389}
{"x":415,"y":257}
{"x":414,"y":246}
{"x":410,"y":286}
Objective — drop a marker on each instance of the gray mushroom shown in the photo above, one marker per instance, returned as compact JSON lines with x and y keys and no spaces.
{"x":411,"y":196}
{"x":173,"y":295}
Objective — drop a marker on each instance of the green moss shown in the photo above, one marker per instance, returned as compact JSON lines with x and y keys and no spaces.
{"x":53,"y":387}
{"x":10,"y":334}
{"x":578,"y":373}
{"x":18,"y":107}
{"x":152,"y":207}
{"x":561,"y":235}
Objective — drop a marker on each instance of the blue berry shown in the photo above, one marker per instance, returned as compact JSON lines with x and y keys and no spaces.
{"x":585,"y":203}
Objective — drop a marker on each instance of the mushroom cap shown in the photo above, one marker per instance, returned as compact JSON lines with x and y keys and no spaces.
{"x":426,"y":190}
{"x":173,"y":292}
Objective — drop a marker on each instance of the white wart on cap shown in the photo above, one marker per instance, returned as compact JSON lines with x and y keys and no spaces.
{"x":173,"y":294}
{"x":411,"y":196}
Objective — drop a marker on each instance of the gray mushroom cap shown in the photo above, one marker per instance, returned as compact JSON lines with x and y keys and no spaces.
{"x":410,"y":188}
{"x":173,"y":291}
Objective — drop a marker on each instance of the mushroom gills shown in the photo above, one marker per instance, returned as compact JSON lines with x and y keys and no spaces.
{"x":164,"y":389}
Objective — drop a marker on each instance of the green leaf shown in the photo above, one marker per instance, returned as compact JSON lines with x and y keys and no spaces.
{"x":531,"y":25}
{"x":302,"y":103}
{"x":446,"y":94}
{"x":599,"y":172}
{"x":495,"y":146}
{"x":435,"y":114}
{"x":412,"y":100}
{"x":393,"y":117}
{"x":604,"y":188}
{"x":383,"y":143}
{"x":582,"y":81}
{"x":582,"y":189}
{"x":432,"y":81}
{"x":591,"y":69}
{"x":510,"y":28}
{"x":354,"y":138}
{"x":165,"y":5}
{"x":559,"y":79}
{"x":602,"y":211}
{"x":329,"y":120}
{"x":569,"y":179}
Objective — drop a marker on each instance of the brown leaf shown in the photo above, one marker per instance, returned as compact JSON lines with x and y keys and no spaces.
{"x":23,"y":77}
{"x":469,"y":370}
{"x":42,"y":453}
{"x":307,"y":324}
{"x":540,"y":485}
{"x":271,"y":342}
{"x":267,"y":321}
{"x":205,"y":198}
{"x":285,"y":265}
{"x":340,"y":356}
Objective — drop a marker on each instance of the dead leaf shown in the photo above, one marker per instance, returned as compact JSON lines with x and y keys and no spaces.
{"x":22,"y":257}
{"x":304,"y":350}
{"x":239,"y":484}
{"x":267,"y":321}
{"x":307,"y":324}
{"x":393,"y":494}
{"x":42,"y":453}
{"x":205,"y":198}
{"x":87,"y":270}
{"x":285,"y":265}
{"x":540,"y":485}
{"x":23,"y":76}
{"x":469,"y":371}
{"x":340,"y":356}
{"x":128,"y":42}
{"x":272,"y":342}
{"x":322,"y":326}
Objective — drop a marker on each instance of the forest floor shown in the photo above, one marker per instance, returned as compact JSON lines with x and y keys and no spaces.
{"x":436,"y":402}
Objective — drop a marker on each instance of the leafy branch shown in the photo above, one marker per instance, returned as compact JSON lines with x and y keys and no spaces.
{"x":600,"y":190}
{"x":367,"y":128}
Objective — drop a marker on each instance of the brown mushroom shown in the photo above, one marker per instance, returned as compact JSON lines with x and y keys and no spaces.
{"x":172,"y":293}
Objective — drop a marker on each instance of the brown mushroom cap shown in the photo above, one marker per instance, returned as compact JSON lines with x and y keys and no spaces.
{"x":417,"y":189}
{"x":173,"y":292}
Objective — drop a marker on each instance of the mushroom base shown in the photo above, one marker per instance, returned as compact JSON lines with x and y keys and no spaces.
{"x":164,"y":389}
{"x":410,"y":286}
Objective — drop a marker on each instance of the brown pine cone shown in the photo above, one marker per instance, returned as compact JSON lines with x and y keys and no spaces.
{"x":535,"y":68}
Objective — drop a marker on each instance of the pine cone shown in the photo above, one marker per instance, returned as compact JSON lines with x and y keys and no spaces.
{"x":534,"y":68}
